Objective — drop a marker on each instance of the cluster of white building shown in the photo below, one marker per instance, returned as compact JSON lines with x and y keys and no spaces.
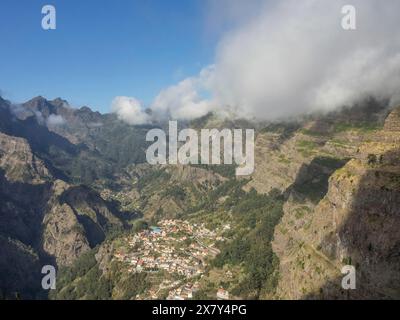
{"x":184,"y":292}
{"x":177,"y":247}
{"x":164,"y":248}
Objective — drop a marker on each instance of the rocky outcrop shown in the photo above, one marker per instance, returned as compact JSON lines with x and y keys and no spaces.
{"x":104,"y":257}
{"x":63,"y":236}
{"x":392,"y":122}
{"x":19,"y":163}
{"x":76,"y":220}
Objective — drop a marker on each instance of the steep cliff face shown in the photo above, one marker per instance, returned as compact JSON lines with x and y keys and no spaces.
{"x":24,"y":185}
{"x":75,"y":220}
{"x":63,"y":236}
{"x":19,"y":163}
{"x":355,"y":223}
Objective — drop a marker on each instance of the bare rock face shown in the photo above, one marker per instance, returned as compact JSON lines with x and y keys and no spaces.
{"x":104,"y":257}
{"x":24,"y":185}
{"x":63,"y":237}
{"x":76,"y":220}
{"x":19,"y":163}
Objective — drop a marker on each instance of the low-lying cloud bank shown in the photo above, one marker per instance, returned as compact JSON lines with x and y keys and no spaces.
{"x":291,"y":58}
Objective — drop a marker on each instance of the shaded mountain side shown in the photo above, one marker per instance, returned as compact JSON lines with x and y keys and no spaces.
{"x":21,"y":213}
{"x":5,"y":115}
{"x":37,"y":217}
{"x":97,"y":216}
{"x":367,"y":236}
{"x":355,"y":223}
{"x":76,"y":219}
{"x":311,"y":183}
{"x":20,"y":271}
{"x":43,"y":220}
{"x":26,"y":183}
{"x":21,"y":256}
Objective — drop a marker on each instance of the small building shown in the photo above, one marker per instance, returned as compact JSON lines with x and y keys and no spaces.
{"x":222,"y":294}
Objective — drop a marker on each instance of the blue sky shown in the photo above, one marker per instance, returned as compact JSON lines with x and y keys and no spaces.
{"x":101,"y":49}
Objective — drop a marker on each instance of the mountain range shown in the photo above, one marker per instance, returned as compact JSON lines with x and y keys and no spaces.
{"x":325,"y":193}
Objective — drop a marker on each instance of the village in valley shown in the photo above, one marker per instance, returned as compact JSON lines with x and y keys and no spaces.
{"x":176,"y":249}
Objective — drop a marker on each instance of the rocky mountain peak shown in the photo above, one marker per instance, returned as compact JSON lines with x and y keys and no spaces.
{"x":46,"y":107}
{"x":18,"y":161}
{"x":40,"y":104}
{"x":58,"y":102}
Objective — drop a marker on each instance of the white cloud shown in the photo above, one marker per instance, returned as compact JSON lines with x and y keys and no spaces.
{"x":22,"y":113}
{"x":130,"y":110}
{"x":55,"y":120}
{"x":295,"y":57}
{"x":288,"y":57}
{"x":183,"y":101}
